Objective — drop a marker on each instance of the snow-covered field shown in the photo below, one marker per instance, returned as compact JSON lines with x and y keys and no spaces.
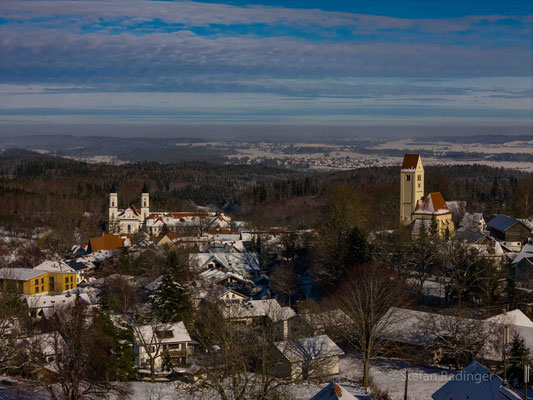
{"x":388,"y":375}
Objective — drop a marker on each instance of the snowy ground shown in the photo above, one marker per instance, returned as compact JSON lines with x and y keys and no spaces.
{"x":388,"y":374}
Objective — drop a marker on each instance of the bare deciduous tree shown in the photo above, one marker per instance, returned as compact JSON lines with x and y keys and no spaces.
{"x":366,"y":300}
{"x":284,"y":280}
{"x":459,"y":338}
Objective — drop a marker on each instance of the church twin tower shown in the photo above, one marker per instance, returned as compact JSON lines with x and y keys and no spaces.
{"x":131,"y":219}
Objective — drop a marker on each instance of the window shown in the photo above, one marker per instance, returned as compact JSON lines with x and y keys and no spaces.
{"x":66,"y":279}
{"x":66,"y":287}
{"x":419,"y":178}
{"x":71,"y":279}
{"x":408,"y":177}
{"x":42,"y":281}
{"x":36,"y":289}
{"x":129,"y":228}
{"x":42,"y":288}
{"x":36,"y":281}
{"x":112,"y":204}
{"x":145,"y":203}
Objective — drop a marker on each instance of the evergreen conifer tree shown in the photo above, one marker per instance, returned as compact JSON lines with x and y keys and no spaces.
{"x":518,"y":356}
{"x":170,"y":302}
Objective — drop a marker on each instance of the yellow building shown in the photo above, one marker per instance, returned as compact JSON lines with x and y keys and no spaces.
{"x":433,"y":206}
{"x":411,"y":187}
{"x":414,"y":207}
{"x":30,"y":281}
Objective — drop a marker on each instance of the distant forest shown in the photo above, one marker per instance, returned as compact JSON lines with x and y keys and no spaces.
{"x":43,"y":191}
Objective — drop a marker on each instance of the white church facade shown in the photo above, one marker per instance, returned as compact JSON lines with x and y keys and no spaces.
{"x":132,"y":219}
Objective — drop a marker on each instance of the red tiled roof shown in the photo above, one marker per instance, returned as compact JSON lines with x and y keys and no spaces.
{"x":433,"y":204}
{"x":410,"y":161}
{"x":106,"y":242}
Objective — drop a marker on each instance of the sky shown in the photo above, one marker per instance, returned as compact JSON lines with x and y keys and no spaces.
{"x":291,"y":62}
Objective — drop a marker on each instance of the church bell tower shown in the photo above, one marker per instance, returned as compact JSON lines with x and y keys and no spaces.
{"x":113,"y":208}
{"x":145,"y":203}
{"x":411,"y":186}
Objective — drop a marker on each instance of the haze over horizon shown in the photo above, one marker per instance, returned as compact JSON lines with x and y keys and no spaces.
{"x":263,"y":68}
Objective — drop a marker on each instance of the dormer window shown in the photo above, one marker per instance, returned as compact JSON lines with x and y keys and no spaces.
{"x":408,"y":177}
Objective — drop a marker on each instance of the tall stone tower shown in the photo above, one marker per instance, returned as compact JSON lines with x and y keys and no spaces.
{"x":113,"y":209}
{"x":145,"y":203}
{"x":411,"y":186}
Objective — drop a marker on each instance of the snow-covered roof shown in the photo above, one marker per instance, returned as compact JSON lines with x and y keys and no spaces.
{"x":242,"y":264}
{"x":165,"y":333}
{"x":54,"y":301}
{"x":470,"y":236}
{"x":259,"y":308}
{"x":333,"y":391}
{"x":475,"y":382}
{"x":22,"y":274}
{"x":183,"y":219}
{"x":310,"y":348}
{"x":417,"y":226}
{"x":433,"y":204}
{"x":526,"y":252}
{"x":323,"y":319}
{"x":514,"y":317}
{"x":54,"y":266}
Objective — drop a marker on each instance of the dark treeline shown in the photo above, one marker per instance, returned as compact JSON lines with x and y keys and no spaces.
{"x":485,"y":189}
{"x":39,"y":190}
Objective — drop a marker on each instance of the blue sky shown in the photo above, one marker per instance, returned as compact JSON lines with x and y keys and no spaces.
{"x":257,"y":62}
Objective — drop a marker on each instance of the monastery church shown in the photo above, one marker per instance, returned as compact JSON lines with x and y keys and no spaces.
{"x":417,"y":209}
{"x":133,"y":219}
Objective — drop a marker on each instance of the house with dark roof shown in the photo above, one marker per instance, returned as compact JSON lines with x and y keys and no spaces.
{"x":473,"y":237}
{"x":522,"y":265}
{"x":476,"y":382}
{"x":512,"y":232}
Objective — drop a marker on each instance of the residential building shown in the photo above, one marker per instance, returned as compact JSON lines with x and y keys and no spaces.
{"x":162,"y":339}
{"x":333,"y":391}
{"x":263,"y":312}
{"x":511,"y":232}
{"x":522,"y":265}
{"x":311,"y":357}
{"x":32,"y":281}
{"x":476,"y":382}
{"x":107,"y":241}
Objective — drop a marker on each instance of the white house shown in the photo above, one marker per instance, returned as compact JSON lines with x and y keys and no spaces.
{"x":45,"y":305}
{"x":283,"y":319}
{"x":154,"y":341}
{"x":311,"y":357}
{"x":245,"y":265}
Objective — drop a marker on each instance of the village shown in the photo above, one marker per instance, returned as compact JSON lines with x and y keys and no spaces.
{"x":200,"y":305}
